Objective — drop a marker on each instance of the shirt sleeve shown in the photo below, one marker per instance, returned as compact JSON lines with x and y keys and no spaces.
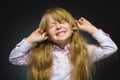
{"x":105,"y":48}
{"x":19,"y":55}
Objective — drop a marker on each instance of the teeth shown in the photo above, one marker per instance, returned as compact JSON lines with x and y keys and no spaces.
{"x":60,"y":33}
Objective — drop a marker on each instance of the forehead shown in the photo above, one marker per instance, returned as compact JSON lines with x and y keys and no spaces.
{"x":49,"y":19}
{"x":55,"y":17}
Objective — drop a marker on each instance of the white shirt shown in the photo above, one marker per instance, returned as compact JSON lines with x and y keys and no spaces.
{"x":61,"y":64}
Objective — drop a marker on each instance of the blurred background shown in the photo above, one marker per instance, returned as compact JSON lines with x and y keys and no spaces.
{"x":19,"y":18}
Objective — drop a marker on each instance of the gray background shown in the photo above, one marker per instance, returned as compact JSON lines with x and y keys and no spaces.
{"x":19,"y":18}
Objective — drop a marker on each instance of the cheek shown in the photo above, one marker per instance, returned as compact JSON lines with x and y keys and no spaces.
{"x":50,"y":34}
{"x":70,"y":30}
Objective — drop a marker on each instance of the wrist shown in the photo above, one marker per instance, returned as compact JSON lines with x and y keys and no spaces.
{"x":28,"y":39}
{"x":93,"y":30}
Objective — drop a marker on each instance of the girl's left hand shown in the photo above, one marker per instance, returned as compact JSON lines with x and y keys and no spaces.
{"x":85,"y":25}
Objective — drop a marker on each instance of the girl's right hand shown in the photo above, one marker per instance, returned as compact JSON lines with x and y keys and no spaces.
{"x":37,"y":36}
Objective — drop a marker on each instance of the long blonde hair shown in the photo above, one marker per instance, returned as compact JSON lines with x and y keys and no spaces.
{"x":42,"y":59}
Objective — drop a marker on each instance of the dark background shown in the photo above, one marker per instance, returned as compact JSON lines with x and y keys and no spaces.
{"x":19,"y":18}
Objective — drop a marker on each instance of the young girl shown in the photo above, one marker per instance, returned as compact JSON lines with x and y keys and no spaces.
{"x":57,"y":51}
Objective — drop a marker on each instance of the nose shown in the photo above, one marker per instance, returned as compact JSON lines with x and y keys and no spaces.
{"x":58,"y":26}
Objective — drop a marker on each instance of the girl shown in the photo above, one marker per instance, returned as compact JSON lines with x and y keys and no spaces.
{"x":57,"y":51}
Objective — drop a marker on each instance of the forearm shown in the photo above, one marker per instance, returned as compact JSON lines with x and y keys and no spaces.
{"x":106,"y":46}
{"x":20,"y":53}
{"x":104,"y":40}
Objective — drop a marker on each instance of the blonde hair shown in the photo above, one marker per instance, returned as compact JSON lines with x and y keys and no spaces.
{"x":42,"y":59}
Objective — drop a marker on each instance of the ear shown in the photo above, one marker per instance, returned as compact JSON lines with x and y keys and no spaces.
{"x":75,"y":28}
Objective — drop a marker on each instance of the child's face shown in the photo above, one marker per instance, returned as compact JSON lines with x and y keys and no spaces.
{"x":58,"y":32}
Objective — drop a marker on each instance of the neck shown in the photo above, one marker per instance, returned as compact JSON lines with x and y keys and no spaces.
{"x":63,"y":44}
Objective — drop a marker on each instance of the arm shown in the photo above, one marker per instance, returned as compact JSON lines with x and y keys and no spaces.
{"x":20,"y":54}
{"x":106,"y":46}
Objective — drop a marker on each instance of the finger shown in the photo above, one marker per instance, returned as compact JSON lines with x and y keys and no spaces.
{"x":40,"y":31}
{"x":75,"y":28}
{"x":45,"y":36}
{"x":45,"y":33}
{"x":81,"y":20}
{"x":78,"y":23}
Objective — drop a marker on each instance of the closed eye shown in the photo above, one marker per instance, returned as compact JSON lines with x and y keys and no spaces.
{"x":63,"y":21}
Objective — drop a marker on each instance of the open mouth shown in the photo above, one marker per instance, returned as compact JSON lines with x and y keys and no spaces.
{"x":60,"y":33}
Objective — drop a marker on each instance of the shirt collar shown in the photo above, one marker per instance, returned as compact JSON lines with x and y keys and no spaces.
{"x":57,"y":48}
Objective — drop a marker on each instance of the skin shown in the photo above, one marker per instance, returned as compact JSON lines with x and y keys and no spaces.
{"x":60,"y":32}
